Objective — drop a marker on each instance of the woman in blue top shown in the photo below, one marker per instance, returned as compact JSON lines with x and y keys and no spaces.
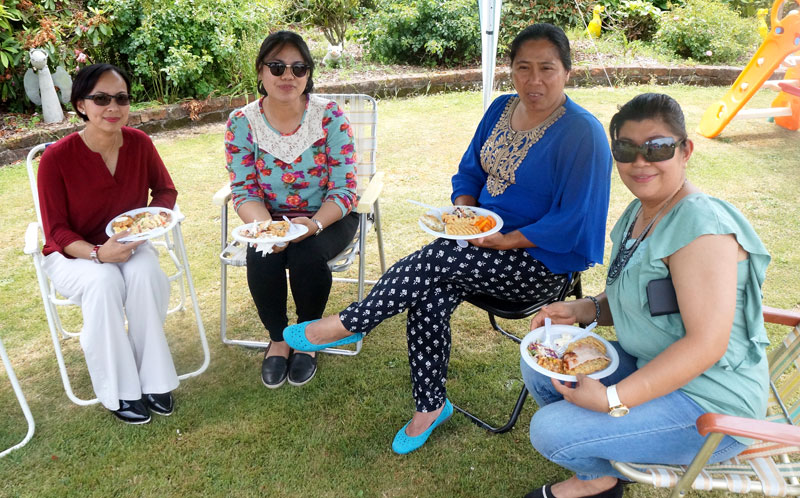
{"x":678,"y":360}
{"x":542,"y":163}
{"x":291,"y":153}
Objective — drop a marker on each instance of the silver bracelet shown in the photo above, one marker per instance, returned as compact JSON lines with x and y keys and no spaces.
{"x":596,"y":307}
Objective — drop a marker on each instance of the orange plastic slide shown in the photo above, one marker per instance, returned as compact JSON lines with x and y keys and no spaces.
{"x":782,"y":41}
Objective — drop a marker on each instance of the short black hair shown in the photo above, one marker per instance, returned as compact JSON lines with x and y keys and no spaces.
{"x":650,"y":106}
{"x":276,"y":41}
{"x":544,"y":31}
{"x":87,"y":78}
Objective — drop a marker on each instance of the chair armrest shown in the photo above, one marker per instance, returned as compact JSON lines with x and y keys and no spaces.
{"x":748,"y":427}
{"x":223,"y":195}
{"x":32,"y":238}
{"x":782,"y":317}
{"x":371,"y":193}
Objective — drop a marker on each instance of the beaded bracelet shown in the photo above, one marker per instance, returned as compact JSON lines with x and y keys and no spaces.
{"x":596,"y":307}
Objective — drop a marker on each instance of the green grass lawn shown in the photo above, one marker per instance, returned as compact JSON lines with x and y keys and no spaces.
{"x":230,"y":436}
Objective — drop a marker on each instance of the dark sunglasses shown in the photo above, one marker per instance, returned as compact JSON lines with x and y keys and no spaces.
{"x":278,"y":68}
{"x":103,"y":99}
{"x":655,"y":150}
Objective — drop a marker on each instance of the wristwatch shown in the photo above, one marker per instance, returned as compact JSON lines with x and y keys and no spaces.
{"x":319,"y":226}
{"x":615,"y":406}
{"x":93,"y":255}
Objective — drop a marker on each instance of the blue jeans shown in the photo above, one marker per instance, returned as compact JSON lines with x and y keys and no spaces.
{"x":660,"y":431}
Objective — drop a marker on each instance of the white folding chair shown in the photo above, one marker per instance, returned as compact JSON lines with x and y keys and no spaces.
{"x":362,"y":111}
{"x":20,"y":397}
{"x":172,"y":242}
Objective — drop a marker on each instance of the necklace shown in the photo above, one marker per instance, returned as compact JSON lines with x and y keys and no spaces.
{"x":105,"y":154}
{"x":624,"y":254}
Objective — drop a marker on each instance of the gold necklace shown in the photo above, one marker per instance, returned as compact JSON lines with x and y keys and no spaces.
{"x":103,"y":154}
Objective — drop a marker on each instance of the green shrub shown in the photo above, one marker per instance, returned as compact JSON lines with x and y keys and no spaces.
{"x":708,"y":31}
{"x":748,"y":8}
{"x":637,"y":19}
{"x":333,"y":17}
{"x":426,"y":32}
{"x":72,"y":35}
{"x":184,"y":48}
{"x":519,"y":14}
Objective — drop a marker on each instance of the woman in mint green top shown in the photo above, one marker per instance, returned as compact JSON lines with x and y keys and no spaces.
{"x":704,"y":351}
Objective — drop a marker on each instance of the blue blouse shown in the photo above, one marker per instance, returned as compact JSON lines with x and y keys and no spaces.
{"x":551,"y":183}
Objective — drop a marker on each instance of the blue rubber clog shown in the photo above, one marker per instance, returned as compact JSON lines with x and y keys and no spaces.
{"x":295,"y":337}
{"x":403,"y":443}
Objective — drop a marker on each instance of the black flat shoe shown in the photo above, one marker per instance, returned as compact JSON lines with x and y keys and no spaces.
{"x":274,"y":370}
{"x":302,"y":368}
{"x":615,"y":492}
{"x":132,"y":412}
{"x":161,"y":404}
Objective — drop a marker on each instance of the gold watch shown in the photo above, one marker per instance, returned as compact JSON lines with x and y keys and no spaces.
{"x":615,"y":406}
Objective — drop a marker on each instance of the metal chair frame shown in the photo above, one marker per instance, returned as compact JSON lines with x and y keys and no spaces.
{"x":765,"y":466}
{"x":362,"y":111}
{"x":22,"y":402}
{"x":172,"y":242}
{"x":514,"y":311}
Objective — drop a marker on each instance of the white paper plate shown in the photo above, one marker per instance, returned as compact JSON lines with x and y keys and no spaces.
{"x":295,"y":230}
{"x":155,"y":232}
{"x":479,"y":211}
{"x":556,"y":331}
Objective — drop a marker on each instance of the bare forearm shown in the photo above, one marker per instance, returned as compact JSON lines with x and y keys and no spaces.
{"x":253,"y":211}
{"x":328,"y":214}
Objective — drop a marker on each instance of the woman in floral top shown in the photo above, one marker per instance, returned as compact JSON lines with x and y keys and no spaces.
{"x":291,"y":153}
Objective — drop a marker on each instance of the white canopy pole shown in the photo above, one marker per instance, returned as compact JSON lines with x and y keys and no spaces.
{"x":490,"y":26}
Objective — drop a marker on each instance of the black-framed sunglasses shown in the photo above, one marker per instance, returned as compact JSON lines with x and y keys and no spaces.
{"x":103,"y":99}
{"x":278,"y":68}
{"x":655,"y":150}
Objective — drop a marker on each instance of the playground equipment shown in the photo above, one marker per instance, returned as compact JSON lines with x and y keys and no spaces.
{"x":781,"y":42}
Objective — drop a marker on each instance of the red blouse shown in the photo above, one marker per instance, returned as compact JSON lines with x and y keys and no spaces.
{"x":78,"y":196}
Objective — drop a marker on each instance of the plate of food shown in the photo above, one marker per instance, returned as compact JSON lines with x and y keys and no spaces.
{"x":460,"y":222}
{"x":591,"y":355}
{"x":268,"y":232}
{"x":144,"y":223}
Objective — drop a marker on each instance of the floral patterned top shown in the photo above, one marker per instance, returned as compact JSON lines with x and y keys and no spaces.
{"x":295,"y":172}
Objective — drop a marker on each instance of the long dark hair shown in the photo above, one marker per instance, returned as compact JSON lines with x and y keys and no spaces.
{"x":87,"y":78}
{"x":277,"y":41}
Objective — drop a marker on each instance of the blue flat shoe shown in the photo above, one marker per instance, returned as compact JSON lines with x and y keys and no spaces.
{"x":403,"y":443}
{"x":295,"y":337}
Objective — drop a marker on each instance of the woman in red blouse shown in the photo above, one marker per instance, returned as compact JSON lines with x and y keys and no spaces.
{"x":85,"y":180}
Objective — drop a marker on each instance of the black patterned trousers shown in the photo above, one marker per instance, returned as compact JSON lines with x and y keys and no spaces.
{"x":430,"y":284}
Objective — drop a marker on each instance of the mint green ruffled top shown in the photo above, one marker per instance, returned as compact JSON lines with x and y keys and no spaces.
{"x":737,"y":384}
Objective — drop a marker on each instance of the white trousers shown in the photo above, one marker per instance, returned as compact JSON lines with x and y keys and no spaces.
{"x":121,"y":365}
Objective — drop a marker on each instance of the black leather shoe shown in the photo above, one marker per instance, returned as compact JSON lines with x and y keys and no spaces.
{"x":302,"y":368}
{"x":274,"y":370}
{"x":132,"y":412}
{"x":160,"y":404}
{"x":615,"y":492}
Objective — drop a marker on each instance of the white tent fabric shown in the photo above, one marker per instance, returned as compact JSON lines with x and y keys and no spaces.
{"x":490,"y":27}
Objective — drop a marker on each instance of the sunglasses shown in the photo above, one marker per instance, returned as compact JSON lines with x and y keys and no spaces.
{"x":278,"y":68}
{"x":655,"y":150}
{"x":103,"y":99}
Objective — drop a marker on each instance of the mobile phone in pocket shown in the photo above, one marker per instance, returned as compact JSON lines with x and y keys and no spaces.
{"x":661,"y":297}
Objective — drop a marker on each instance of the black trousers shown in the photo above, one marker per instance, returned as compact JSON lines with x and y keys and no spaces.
{"x":430,"y":284}
{"x":309,"y":276}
